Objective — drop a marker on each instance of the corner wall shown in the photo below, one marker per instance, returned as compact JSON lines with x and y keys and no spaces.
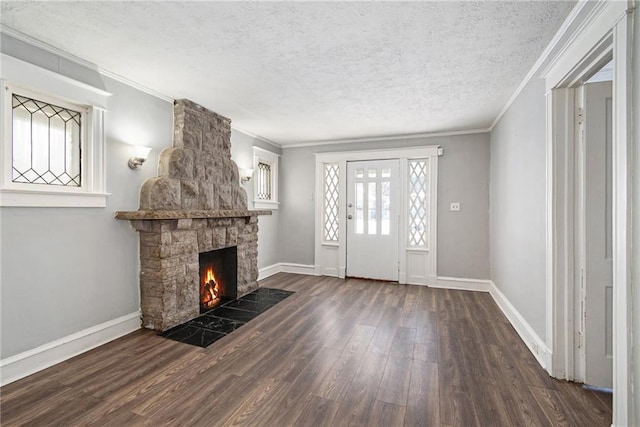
{"x":268,"y":225}
{"x":518,"y":205}
{"x":65,"y":270}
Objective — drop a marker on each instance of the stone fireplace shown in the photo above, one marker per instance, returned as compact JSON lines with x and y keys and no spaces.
{"x":195,"y":205}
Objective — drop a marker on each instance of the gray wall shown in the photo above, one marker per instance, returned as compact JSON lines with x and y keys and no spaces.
{"x":268,"y":225}
{"x":518,"y":176}
{"x":67,"y":269}
{"x":636,"y":224}
{"x":463,"y":176}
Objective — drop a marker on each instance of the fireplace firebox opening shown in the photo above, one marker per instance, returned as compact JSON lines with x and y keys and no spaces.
{"x":218,"y":277}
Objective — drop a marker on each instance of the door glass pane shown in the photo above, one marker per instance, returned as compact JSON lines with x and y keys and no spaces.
{"x":385,"y":198}
{"x":359,"y":173}
{"x":359,"y":208}
{"x":386,"y":173}
{"x":372,"y":218}
{"x":372,"y":173}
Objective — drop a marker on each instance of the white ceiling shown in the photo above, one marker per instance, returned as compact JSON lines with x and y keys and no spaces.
{"x":304,"y":72}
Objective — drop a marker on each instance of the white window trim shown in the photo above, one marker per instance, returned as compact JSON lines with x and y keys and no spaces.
{"x":272,"y":159}
{"x":27,"y":79}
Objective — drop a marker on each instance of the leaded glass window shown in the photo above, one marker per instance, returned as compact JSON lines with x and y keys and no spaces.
{"x":418,"y":193}
{"x":331,"y":180}
{"x":264,"y":181}
{"x":46,"y":143}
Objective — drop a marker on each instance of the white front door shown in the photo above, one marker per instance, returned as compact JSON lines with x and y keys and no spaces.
{"x":372,"y":219}
{"x":598,"y":260}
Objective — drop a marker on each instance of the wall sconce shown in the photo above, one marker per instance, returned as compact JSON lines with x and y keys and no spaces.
{"x":140,"y":154}
{"x":245,"y":175}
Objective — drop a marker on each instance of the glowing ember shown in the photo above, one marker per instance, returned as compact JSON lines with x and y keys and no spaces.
{"x":211,"y":293}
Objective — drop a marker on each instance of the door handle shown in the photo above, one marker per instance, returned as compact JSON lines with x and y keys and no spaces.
{"x":349,"y":216}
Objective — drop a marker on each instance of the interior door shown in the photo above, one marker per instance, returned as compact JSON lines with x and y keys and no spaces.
{"x":372,"y":219}
{"x":598,"y":268}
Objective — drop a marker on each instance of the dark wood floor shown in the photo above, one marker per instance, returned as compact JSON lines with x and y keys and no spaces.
{"x":335,"y":353}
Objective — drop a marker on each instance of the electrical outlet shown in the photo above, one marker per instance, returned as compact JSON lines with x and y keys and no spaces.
{"x":454,"y":207}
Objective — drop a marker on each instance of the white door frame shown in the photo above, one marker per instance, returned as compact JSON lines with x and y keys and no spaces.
{"x":606,"y":32}
{"x":417,"y":265}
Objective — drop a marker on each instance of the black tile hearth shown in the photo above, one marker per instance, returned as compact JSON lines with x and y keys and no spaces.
{"x":226,"y":318}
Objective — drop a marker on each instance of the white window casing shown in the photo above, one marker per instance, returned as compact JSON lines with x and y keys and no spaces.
{"x":25,"y":79}
{"x":265,"y":182}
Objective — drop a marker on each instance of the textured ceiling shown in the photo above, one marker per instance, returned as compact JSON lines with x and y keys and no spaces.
{"x":302,"y":72}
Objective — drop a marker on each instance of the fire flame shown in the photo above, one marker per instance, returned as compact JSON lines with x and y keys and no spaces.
{"x":212,"y":293}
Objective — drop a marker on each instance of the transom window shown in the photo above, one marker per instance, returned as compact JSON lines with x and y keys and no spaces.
{"x":46,"y":143}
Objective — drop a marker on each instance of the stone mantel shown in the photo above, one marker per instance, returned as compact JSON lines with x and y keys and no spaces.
{"x":188,"y":214}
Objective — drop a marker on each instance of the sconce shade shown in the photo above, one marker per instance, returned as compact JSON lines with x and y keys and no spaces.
{"x":140,"y":154}
{"x":245,"y":175}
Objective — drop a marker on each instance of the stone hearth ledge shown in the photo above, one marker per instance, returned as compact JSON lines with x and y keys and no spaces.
{"x":187,"y":214}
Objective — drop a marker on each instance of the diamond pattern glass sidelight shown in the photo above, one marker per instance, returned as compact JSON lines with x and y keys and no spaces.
{"x":46,"y":143}
{"x":418,"y":192}
{"x":331,"y":180}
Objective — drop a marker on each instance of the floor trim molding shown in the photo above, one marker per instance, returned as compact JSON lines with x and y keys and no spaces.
{"x":536,"y":345}
{"x":463,"y":284}
{"x":31,"y":361}
{"x":286,"y":267}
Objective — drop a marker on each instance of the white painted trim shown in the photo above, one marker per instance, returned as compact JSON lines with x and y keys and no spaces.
{"x":384,"y":138}
{"x":253,"y":135}
{"x":269,"y":271}
{"x":387,"y":153}
{"x":608,"y":28}
{"x":288,"y":267}
{"x":31,"y":361}
{"x":541,"y":59}
{"x":536,"y":345}
{"x":462,"y":284}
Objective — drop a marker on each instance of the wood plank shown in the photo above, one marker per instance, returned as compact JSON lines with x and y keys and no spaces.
{"x":394,"y":386}
{"x":354,"y":352}
{"x":423,"y":402}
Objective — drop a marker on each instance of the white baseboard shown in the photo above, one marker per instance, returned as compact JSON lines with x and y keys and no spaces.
{"x":308,"y":270}
{"x":269,"y":271}
{"x":463,"y":284}
{"x":31,"y":361}
{"x":536,"y":345}
{"x":286,"y":267}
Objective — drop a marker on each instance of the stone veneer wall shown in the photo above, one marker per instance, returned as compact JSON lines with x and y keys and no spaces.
{"x":197,"y":172}
{"x":198,"y":178}
{"x":169,"y":265}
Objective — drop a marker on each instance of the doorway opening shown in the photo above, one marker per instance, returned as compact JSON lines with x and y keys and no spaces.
{"x":594,"y":230}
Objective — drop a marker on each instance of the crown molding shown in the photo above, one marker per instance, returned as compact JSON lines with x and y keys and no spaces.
{"x":542,"y":58}
{"x":386,"y":138}
{"x":253,"y":135}
{"x":80,"y":61}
